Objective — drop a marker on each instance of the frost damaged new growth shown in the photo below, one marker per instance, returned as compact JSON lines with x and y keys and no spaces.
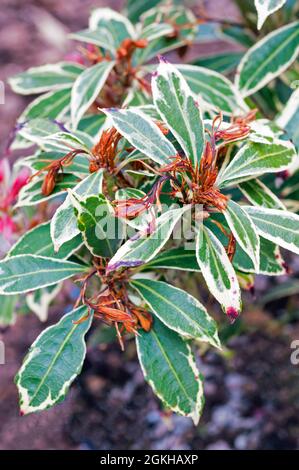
{"x":112,"y":304}
{"x":183,"y":169}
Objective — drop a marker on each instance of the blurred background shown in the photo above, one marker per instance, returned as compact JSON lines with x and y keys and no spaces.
{"x":252,"y":389}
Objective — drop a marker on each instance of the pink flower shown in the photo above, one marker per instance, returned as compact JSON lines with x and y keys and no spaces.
{"x":9,"y":193}
{"x":7,"y":227}
{"x":74,"y":57}
{"x":4,"y":172}
{"x":18,"y":183}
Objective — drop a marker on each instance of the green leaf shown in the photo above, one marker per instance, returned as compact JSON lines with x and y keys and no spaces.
{"x":156,"y":30}
{"x":223,"y":62}
{"x":215,"y":90}
{"x":265,"y":8}
{"x":37,"y":241}
{"x":178,"y":310}
{"x":7,"y":312}
{"x":24,"y":273}
{"x":244,"y":231}
{"x":53,"y":362}
{"x":115,"y":26}
{"x":267,"y":59}
{"x":87,"y":87}
{"x":260,"y":195}
{"x":255,"y":159}
{"x":102,"y":232}
{"x":176,"y":258}
{"x":91,"y":124}
{"x":218,"y":271}
{"x":142,"y":247}
{"x":64,"y":225}
{"x":169,"y":366}
{"x":278,"y":226}
{"x":271,"y":262}
{"x":135,"y":8}
{"x":176,"y":15}
{"x":142,"y":133}
{"x":46,"y":78}
{"x":238,"y":35}
{"x":179,"y":110}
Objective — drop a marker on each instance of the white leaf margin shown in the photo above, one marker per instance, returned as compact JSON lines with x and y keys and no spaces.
{"x":264,"y":9}
{"x":269,"y":76}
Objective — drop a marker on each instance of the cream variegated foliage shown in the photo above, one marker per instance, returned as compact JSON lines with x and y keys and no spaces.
{"x":112,"y":149}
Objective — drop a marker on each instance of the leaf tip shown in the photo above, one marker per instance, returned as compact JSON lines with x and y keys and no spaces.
{"x":162,"y":59}
{"x":56,"y":247}
{"x":232,"y":314}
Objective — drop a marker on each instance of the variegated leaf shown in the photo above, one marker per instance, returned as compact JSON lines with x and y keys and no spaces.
{"x":53,"y":362}
{"x":39,"y":300}
{"x":267,"y":59}
{"x":271,"y":261}
{"x":174,"y":15}
{"x":102,"y":232}
{"x":289,"y":121}
{"x":64,"y":225}
{"x":169,"y":367}
{"x":143,"y":247}
{"x":135,"y":8}
{"x":142,"y":133}
{"x":87,"y":87}
{"x":37,"y":241}
{"x":224,"y":62}
{"x":244,"y":231}
{"x":24,"y":273}
{"x":178,"y":310}
{"x":98,"y":37}
{"x":115,"y":26}
{"x":218,"y":271}
{"x":255,"y":159}
{"x":156,"y":30}
{"x":214,"y":89}
{"x":260,"y":195}
{"x":31,"y":194}
{"x":178,"y":109}
{"x":46,"y":78}
{"x":175,"y":258}
{"x":51,"y":105}
{"x":278,"y":226}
